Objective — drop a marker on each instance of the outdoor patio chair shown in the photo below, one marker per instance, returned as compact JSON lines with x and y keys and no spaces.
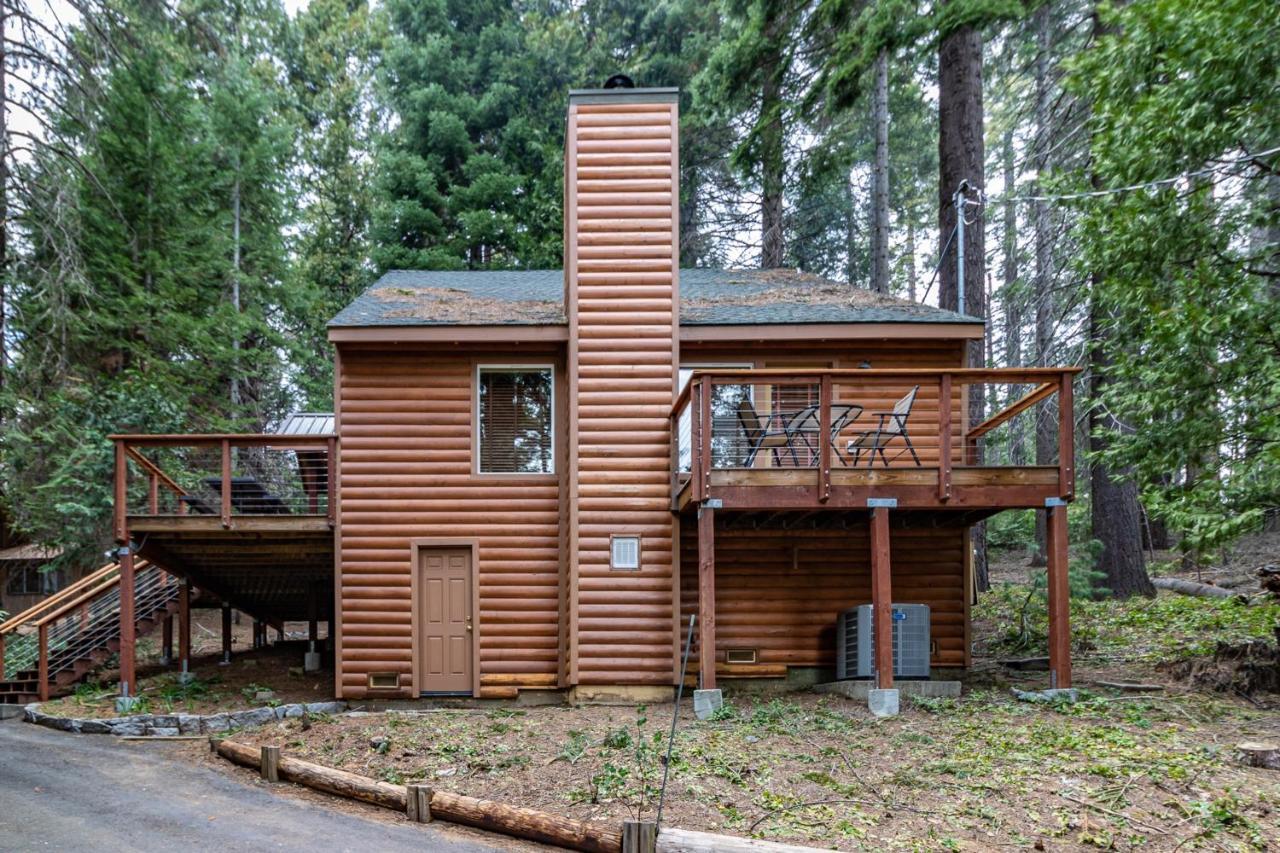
{"x":759,"y":434}
{"x":807,"y":426}
{"x":891,"y":425}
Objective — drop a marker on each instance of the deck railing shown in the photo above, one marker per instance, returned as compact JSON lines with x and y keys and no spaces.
{"x":223,"y":476}
{"x":871,"y":420}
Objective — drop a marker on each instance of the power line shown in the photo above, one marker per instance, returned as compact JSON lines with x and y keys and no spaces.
{"x":1147,"y":185}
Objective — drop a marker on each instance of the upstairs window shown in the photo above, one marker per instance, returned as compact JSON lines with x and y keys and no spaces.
{"x":515,"y":420}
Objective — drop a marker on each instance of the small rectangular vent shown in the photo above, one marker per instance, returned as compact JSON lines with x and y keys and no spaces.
{"x":624,"y":553}
{"x":740,"y":656}
{"x":384,"y":681}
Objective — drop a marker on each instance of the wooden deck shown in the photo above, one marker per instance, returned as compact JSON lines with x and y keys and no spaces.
{"x":990,"y":488}
{"x":868,"y":452}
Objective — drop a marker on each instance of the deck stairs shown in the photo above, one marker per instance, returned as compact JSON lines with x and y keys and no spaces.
{"x":80,"y":627}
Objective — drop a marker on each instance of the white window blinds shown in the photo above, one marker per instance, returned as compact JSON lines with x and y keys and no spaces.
{"x":515,"y":432}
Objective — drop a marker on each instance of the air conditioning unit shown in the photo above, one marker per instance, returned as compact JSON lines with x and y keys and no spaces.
{"x":855,"y":642}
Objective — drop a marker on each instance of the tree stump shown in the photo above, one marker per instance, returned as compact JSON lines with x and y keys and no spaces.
{"x":1259,"y":754}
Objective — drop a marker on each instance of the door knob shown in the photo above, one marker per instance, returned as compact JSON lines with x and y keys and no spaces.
{"x":468,"y":626}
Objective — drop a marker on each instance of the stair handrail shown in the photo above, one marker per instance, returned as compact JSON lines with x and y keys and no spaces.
{"x":19,"y":619}
{"x":87,"y":597}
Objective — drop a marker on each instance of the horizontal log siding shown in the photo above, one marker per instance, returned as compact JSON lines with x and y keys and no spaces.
{"x":621,"y":263}
{"x":406,"y":474}
{"x":779,"y":591}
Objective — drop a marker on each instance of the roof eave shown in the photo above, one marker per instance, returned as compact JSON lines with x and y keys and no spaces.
{"x":751,"y":332}
{"x":449,"y":333}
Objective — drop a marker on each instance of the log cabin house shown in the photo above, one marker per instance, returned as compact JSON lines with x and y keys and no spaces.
{"x":531,"y":479}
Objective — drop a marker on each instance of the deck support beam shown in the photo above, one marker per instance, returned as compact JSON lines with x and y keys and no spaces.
{"x":881,"y":598}
{"x":1059,"y":597}
{"x":166,"y":641}
{"x":226,"y":632}
{"x":184,"y":624}
{"x":128,"y":628}
{"x":706,"y":597}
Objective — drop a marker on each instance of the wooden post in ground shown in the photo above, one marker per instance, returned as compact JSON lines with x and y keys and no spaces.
{"x":417,"y":803}
{"x":184,"y":625}
{"x":1059,"y":597}
{"x":881,"y":598}
{"x":226,"y":633}
{"x":313,"y":615}
{"x":639,"y":836}
{"x":259,"y":634}
{"x":271,"y":763}
{"x":707,"y":597}
{"x":128,"y":616}
{"x":166,"y":641}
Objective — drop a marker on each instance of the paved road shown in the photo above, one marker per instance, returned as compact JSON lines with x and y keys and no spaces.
{"x":61,"y":791}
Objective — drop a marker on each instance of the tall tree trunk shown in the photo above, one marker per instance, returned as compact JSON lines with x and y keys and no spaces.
{"x":4,"y":197}
{"x":1012,"y":299}
{"x":913,"y":276}
{"x":1046,"y":417}
{"x":960,"y":160}
{"x":1116,"y":516}
{"x":773,"y":164}
{"x":235,"y":291}
{"x":880,"y":177}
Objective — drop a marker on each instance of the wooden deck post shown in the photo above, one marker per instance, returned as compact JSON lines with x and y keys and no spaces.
{"x":128,"y":617}
{"x":313,"y":614}
{"x":42,"y":666}
{"x":881,"y":598}
{"x":707,"y":597}
{"x":944,"y":437}
{"x":1059,"y":598}
{"x":1066,"y":439}
{"x":226,"y":483}
{"x":226,"y":632}
{"x":824,"y":438}
{"x":121,"y":497}
{"x":184,"y":624}
{"x":166,"y":641}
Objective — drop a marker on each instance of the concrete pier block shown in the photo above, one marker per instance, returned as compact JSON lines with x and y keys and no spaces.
{"x":707,"y":702}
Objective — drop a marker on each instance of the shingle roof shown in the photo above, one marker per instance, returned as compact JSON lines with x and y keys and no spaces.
{"x":708,"y":297}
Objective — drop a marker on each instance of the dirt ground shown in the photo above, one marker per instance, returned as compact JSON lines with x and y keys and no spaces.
{"x":1115,"y":770}
{"x":276,"y":668}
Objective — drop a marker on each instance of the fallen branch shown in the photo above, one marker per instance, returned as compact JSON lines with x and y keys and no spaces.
{"x":1200,"y":590}
{"x":1131,"y":687}
{"x":1038,"y":663}
{"x":1113,"y":813}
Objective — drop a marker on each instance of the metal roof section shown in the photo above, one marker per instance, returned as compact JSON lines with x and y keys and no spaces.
{"x":307,"y":423}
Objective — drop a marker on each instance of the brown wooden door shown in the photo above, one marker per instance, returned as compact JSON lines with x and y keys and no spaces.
{"x":444,"y":630}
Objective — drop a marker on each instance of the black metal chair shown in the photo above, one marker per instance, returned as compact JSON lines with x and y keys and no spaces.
{"x":891,"y":425}
{"x":807,"y":426}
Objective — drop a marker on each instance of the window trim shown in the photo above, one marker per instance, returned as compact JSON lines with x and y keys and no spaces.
{"x":508,"y":367}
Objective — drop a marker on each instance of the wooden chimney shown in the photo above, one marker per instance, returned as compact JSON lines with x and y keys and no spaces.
{"x":622,"y":262}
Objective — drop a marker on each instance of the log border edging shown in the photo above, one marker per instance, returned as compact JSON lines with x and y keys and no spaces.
{"x":170,"y":725}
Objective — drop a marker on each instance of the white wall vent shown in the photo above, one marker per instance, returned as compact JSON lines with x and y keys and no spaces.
{"x":855,"y":642}
{"x":624,"y":553}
